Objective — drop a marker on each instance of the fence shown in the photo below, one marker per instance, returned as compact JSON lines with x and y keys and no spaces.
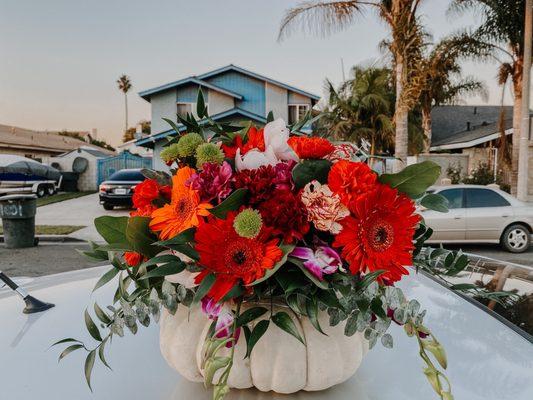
{"x":108,"y":166}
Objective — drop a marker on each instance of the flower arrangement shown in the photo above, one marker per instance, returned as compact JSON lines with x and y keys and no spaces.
{"x":255,"y":215}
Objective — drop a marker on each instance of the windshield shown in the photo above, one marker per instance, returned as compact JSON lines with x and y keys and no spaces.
{"x":127,"y":175}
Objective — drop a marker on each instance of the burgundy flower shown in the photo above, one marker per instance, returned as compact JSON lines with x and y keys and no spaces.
{"x":263,"y":181}
{"x":285,"y":213}
{"x":213,"y":182}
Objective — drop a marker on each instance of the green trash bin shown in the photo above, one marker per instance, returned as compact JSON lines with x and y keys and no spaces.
{"x":18,"y":220}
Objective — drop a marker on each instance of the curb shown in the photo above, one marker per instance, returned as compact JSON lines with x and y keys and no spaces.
{"x":53,"y":239}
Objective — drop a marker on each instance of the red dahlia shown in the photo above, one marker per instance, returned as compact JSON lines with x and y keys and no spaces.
{"x":286,"y":214}
{"x":263,"y":181}
{"x":144,"y":194}
{"x":310,"y":147}
{"x":379,"y":235}
{"x":350,"y":179}
{"x":231,"y":257}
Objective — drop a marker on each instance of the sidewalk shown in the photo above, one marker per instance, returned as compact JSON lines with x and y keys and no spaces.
{"x":80,"y":211}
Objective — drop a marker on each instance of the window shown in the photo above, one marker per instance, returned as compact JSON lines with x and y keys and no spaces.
{"x":127,"y":175}
{"x":484,"y":198}
{"x":454,"y":197}
{"x":297,"y":112}
{"x":183,"y":109}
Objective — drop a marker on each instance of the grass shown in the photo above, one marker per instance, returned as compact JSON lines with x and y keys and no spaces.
{"x":52,"y":229}
{"x":56,"y":198}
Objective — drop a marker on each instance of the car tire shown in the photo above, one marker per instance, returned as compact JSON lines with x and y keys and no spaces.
{"x":50,"y":190}
{"x":108,"y":207}
{"x":41,"y":191}
{"x":516,"y":238}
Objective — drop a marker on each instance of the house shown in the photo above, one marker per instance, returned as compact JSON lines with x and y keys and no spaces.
{"x":39,"y":145}
{"x":231,"y":94}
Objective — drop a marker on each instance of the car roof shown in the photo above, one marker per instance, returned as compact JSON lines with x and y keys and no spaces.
{"x":487,"y":360}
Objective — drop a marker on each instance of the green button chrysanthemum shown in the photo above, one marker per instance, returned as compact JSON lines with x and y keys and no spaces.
{"x":208,"y":152}
{"x":170,"y":153}
{"x":248,"y":223}
{"x":188,"y":144}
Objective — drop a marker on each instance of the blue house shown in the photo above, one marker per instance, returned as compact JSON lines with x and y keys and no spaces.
{"x":231,"y":94}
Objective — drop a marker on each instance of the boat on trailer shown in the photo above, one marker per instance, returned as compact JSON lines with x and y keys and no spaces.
{"x":23,"y":175}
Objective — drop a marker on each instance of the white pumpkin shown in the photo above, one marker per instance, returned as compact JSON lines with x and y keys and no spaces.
{"x":278,"y":362}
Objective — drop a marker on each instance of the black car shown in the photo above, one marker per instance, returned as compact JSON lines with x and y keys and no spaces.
{"x":118,"y":189}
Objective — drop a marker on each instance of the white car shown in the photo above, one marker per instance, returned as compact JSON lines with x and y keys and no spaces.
{"x":487,"y":358}
{"x":481,"y":214}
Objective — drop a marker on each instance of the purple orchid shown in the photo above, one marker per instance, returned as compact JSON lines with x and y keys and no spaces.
{"x":224,"y":318}
{"x":211,"y":308}
{"x":323,"y":261}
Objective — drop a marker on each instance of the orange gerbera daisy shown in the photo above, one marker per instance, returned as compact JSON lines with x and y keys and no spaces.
{"x":233,"y":258}
{"x":350,"y":179}
{"x":310,"y":147}
{"x":379,"y":235}
{"x":184,"y":208}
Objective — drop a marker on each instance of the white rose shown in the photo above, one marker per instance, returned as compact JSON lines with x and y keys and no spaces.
{"x":254,"y":159}
{"x":276,"y":135}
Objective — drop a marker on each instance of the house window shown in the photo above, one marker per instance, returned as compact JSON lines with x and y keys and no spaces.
{"x":183,"y":109}
{"x":297,"y":112}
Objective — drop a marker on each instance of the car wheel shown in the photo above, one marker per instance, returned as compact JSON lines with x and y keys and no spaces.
{"x":50,"y":190}
{"x":108,"y":207}
{"x":516,"y":238}
{"x":41,"y":191}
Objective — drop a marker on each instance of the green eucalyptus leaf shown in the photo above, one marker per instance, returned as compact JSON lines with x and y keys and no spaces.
{"x":69,"y":350}
{"x":414,"y":179}
{"x":91,"y":327}
{"x":89,"y":364}
{"x":101,"y":314}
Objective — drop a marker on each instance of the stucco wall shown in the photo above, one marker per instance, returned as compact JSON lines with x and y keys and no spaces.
{"x":157,"y":163}
{"x":88,"y":179}
{"x":219,"y":102}
{"x":296,"y":98}
{"x":163,"y":106}
{"x":276,"y":101}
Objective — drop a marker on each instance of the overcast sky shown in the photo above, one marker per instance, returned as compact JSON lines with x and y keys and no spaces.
{"x":59,"y":59}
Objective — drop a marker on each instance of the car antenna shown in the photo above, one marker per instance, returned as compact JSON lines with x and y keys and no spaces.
{"x":33,"y":305}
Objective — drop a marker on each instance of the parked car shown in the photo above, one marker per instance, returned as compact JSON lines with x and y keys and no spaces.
{"x":118,"y":189}
{"x":481,"y":214}
{"x":488,"y":359}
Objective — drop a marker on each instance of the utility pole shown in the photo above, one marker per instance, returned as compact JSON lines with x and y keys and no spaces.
{"x":523,"y":156}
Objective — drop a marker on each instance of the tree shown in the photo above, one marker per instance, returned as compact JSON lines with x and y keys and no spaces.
{"x":443,"y":82}
{"x":502,"y":27}
{"x":124,"y":85}
{"x":129,"y":134}
{"x":362,"y":109}
{"x":405,"y":45}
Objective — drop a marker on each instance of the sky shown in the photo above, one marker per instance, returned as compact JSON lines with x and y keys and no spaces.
{"x":60,"y":59}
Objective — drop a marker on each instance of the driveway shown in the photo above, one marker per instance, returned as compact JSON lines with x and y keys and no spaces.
{"x":80,"y":211}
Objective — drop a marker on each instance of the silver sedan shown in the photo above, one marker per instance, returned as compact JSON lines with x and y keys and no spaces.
{"x":481,"y":214}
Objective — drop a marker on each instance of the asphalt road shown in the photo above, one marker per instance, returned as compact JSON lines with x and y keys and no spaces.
{"x":496,"y":252}
{"x":44,"y":259}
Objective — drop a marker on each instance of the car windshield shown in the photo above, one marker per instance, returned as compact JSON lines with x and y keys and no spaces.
{"x":127,"y":175}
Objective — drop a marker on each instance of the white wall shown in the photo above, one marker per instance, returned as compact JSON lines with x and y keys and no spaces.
{"x":219,"y":102}
{"x":163,"y":105}
{"x":276,"y":101}
{"x":88,"y":179}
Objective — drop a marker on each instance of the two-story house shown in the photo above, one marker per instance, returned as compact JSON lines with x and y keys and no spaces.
{"x":231,"y":94}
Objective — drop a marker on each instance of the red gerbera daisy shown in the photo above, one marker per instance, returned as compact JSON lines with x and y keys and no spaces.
{"x":310,"y":147}
{"x":350,"y":179}
{"x":256,"y":140}
{"x":286,"y":214}
{"x":233,"y":258}
{"x":379,"y":235}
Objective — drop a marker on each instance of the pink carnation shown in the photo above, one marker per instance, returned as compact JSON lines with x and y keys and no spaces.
{"x":213,"y":182}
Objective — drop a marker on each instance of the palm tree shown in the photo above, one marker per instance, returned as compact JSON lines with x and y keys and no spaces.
{"x":443,"y":82}
{"x":124,"y":85}
{"x":361,"y":109}
{"x":323,"y":18}
{"x":502,"y":27}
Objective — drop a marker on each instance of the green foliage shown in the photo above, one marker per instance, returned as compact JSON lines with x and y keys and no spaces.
{"x":308,"y":170}
{"x":414,"y":179}
{"x":231,"y":203}
{"x":112,"y":229}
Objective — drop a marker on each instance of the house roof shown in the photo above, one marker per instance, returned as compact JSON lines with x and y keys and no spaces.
{"x":199,"y":80}
{"x":456,"y":127}
{"x":234,"y":112}
{"x":51,"y":142}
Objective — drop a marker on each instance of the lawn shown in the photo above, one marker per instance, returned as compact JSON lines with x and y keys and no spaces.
{"x":60,"y":197}
{"x":52,"y":229}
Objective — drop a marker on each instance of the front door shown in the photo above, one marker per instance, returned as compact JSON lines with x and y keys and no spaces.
{"x":487,"y":213}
